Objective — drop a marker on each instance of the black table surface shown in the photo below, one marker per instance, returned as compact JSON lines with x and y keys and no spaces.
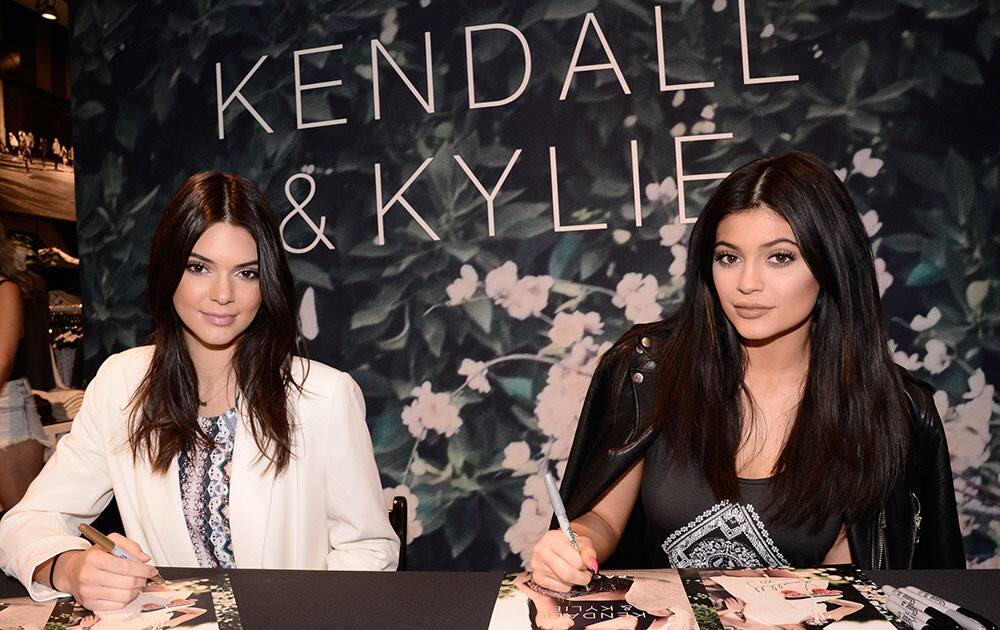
{"x":272,"y":599}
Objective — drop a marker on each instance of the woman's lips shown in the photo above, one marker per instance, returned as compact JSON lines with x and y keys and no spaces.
{"x":751,"y":311}
{"x":219,"y":319}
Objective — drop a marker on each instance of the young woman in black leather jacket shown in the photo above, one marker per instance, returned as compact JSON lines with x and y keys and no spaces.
{"x":765,"y":423}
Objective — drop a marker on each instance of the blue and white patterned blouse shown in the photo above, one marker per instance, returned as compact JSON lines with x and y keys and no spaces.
{"x":204,"y":478}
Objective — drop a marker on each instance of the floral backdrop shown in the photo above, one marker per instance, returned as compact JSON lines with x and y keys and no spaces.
{"x":475,"y":349}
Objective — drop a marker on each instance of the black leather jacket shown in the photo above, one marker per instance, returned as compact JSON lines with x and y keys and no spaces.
{"x":917,"y":527}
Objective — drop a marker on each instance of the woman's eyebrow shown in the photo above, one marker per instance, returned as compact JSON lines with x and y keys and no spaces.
{"x":249,"y":263}
{"x":725,"y":244}
{"x":762,"y":246}
{"x":779,"y":240}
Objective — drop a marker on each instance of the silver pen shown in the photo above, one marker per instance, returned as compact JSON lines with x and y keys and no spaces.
{"x":559,"y":508}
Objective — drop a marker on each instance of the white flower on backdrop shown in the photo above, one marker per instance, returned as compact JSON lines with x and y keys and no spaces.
{"x":557,"y":406}
{"x":968,"y":427}
{"x":431,"y":411}
{"x":517,"y":457}
{"x":531,"y":523}
{"x":884,"y":277}
{"x":475,"y":373}
{"x":679,"y":264}
{"x":463,"y":287}
{"x":672,"y":233}
{"x":703,"y":126}
{"x":637,"y":295}
{"x":500,"y":281}
{"x":529,"y":297}
{"x":569,"y":328}
{"x":920,"y":323}
{"x":909,"y":361}
{"x":865,"y":164}
{"x":308,"y":323}
{"x":664,"y":192}
{"x":390,"y":27}
{"x":937,"y":359}
{"x":521,"y":297}
{"x":872,"y":224}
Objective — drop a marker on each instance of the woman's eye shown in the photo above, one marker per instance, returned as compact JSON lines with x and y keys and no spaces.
{"x":725,"y":258}
{"x":196,"y":267}
{"x":248,"y":274}
{"x":782,"y":258}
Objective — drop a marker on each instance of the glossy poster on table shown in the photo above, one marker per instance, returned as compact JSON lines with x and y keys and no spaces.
{"x":204,"y":603}
{"x":835,"y":598}
{"x":628,"y":600}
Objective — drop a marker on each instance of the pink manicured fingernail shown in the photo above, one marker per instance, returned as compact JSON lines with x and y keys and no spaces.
{"x":593,"y":564}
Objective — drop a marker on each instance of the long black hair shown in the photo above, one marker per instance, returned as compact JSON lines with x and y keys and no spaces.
{"x":847,"y":445}
{"x":165,"y":406}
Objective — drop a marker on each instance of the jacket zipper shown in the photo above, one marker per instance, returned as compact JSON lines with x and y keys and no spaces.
{"x":878,"y":550}
{"x":915,"y":538}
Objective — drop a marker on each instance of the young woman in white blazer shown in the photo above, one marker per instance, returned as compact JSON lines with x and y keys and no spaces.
{"x":222,"y":448}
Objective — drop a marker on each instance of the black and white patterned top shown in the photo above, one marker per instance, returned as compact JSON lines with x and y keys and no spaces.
{"x":687,"y":527}
{"x":204,"y":479}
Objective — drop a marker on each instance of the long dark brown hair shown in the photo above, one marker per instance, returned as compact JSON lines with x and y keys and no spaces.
{"x":165,"y":406}
{"x":848,"y":442}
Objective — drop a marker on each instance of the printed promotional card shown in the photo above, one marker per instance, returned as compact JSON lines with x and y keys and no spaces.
{"x":24,"y":613}
{"x":203,"y":603}
{"x":629,"y":600}
{"x":783,"y":598}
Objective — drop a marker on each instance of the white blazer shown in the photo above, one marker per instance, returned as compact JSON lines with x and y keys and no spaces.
{"x":325,"y":511}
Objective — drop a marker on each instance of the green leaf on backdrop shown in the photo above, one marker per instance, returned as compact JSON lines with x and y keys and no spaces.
{"x":593,"y":260}
{"x":959,"y":67}
{"x":310,"y":273}
{"x":566,"y":9}
{"x":370,"y":316}
{"x":905,"y":242}
{"x":923,"y":274}
{"x":961,"y":185}
{"x":481,"y":312}
{"x":920,"y":170}
{"x":564,"y":252}
{"x":432,"y":327}
{"x":463,"y":523}
{"x":519,"y":387}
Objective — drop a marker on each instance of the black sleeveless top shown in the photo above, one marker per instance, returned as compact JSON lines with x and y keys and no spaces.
{"x":687,"y":527}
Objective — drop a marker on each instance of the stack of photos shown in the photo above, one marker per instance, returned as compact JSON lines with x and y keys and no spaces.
{"x":203,"y":603}
{"x":835,"y":598}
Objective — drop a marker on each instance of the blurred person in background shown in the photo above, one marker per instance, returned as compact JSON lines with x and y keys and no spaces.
{"x":22,"y":440}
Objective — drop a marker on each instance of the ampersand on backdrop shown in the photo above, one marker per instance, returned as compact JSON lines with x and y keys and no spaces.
{"x":298,"y":209}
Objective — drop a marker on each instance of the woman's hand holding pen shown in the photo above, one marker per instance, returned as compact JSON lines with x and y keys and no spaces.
{"x":101,"y":581}
{"x":557,"y":565}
